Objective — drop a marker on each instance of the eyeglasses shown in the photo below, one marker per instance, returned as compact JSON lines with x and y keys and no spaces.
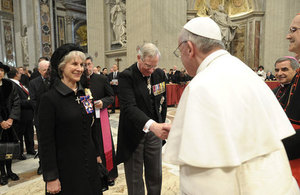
{"x":177,"y":52}
{"x":148,"y":66}
{"x":293,"y":29}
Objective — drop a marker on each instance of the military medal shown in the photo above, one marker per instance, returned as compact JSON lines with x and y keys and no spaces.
{"x":159,"y":88}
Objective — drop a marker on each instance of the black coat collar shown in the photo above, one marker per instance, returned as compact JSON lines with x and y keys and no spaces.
{"x":65,"y":90}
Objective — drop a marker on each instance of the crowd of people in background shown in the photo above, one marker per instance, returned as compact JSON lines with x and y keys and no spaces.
{"x":64,"y":98}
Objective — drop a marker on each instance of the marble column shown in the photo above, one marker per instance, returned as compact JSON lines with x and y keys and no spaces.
{"x":96,"y":30}
{"x":69,"y":29}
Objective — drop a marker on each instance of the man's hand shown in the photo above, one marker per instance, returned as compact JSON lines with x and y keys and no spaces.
{"x":10,"y":121}
{"x":98,"y":104}
{"x":53,"y":187}
{"x":161,"y":130}
{"x":167,"y":127}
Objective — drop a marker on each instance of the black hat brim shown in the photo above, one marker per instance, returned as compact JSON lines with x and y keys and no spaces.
{"x":4,"y":67}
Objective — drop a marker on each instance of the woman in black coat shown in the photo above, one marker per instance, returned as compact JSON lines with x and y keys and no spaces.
{"x":65,"y":116}
{"x":10,"y":112}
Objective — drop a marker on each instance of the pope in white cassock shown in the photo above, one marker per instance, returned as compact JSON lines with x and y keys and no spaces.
{"x":227,"y":132}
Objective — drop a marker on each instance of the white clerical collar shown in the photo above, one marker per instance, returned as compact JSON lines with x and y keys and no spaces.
{"x":210,"y":58}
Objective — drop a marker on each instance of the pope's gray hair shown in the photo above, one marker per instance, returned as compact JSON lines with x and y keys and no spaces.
{"x":204,"y":44}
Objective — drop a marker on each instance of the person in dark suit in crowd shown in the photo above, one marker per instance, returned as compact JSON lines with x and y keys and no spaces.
{"x":113,"y":78}
{"x":37,"y":87}
{"x":270,"y":77}
{"x":36,"y":72}
{"x":99,"y":69}
{"x":103,"y":96}
{"x":9,"y":115}
{"x":141,"y":125}
{"x":24,"y":127}
{"x":24,"y":78}
{"x":175,"y":75}
{"x":170,"y":73}
{"x":66,"y":116}
{"x":104,"y":72}
{"x":166,"y":74}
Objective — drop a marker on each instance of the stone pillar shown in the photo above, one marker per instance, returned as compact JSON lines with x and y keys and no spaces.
{"x":158,"y":22}
{"x":95,"y":30}
{"x":27,"y":32}
{"x":69,"y":29}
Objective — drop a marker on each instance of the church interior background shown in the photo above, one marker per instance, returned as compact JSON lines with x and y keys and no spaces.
{"x":110,"y":30}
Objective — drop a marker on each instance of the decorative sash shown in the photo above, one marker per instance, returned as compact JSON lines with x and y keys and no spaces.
{"x":106,"y":136}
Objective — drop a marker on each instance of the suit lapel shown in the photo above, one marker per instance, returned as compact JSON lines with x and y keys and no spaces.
{"x":142,"y":86}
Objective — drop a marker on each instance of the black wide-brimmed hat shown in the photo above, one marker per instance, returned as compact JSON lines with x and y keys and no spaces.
{"x":4,"y":67}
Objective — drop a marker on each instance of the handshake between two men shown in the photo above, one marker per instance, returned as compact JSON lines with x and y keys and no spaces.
{"x":161,"y":130}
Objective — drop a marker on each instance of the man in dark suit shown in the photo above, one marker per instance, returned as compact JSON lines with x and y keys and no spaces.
{"x":24,"y":127}
{"x":141,"y":126}
{"x":103,"y":96}
{"x":36,"y":72}
{"x":24,"y":78}
{"x":113,"y":78}
{"x":37,"y":87}
{"x":175,"y":77}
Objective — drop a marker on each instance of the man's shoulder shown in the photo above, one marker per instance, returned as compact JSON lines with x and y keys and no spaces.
{"x":15,"y":85}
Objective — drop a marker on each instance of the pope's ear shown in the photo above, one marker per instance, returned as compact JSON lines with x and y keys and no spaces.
{"x":191,"y":48}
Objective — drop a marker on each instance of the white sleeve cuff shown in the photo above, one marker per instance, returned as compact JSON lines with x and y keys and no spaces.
{"x":147,"y":125}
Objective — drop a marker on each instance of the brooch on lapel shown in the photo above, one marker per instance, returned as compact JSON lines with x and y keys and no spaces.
{"x":88,"y":92}
{"x":159,"y":88}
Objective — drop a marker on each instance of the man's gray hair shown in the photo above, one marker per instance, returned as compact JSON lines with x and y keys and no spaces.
{"x":148,"y":50}
{"x":43,"y":63}
{"x":294,"y":63}
{"x":202,"y":43}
